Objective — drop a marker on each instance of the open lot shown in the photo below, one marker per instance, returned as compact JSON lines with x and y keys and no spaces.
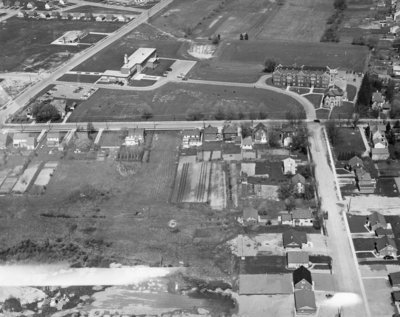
{"x":378,"y":296}
{"x":26,"y":43}
{"x":364,"y":244}
{"x":343,"y":112}
{"x":172,"y":101}
{"x":356,"y":223}
{"x":345,"y":56}
{"x":260,"y":19}
{"x":123,"y":209}
{"x":349,"y":143}
{"x":103,"y":10}
{"x":78,"y":78}
{"x":387,"y":187}
{"x":273,"y":264}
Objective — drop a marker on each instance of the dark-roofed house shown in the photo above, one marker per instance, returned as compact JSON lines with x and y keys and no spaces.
{"x":299,"y":181}
{"x":294,"y":239}
{"x":376,"y":220}
{"x":210,"y":134}
{"x":260,"y":134}
{"x":394,"y":279}
{"x":302,"y":279}
{"x":229,"y":133}
{"x":396,"y":296}
{"x":250,"y":215}
{"x":366,"y":183}
{"x":355,"y":162}
{"x":385,"y":247}
{"x":304,"y":301}
{"x":295,"y":259}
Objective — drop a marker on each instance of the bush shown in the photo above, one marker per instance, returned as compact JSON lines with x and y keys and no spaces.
{"x":45,"y":112}
{"x":12,"y":304}
{"x":269,"y":65}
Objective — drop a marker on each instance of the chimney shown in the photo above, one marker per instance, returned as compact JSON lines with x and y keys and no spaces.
{"x":126,"y":59}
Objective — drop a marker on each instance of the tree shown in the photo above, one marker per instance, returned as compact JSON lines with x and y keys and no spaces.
{"x":215,"y":40}
{"x":194,"y":114}
{"x":45,"y":112}
{"x":241,"y":37}
{"x":246,"y":130}
{"x":340,"y":4}
{"x":389,"y":93}
{"x":358,"y":40}
{"x":355,"y":118}
{"x":290,"y":203}
{"x":308,"y":191}
{"x":304,"y":170}
{"x":269,"y":65}
{"x":286,"y":190}
{"x":219,"y":114}
{"x":12,"y":304}
{"x":273,"y":139}
{"x":90,"y":130}
{"x":388,"y":127}
{"x":246,"y":36}
{"x":300,"y":141}
{"x":364,"y":95}
{"x":333,"y":132}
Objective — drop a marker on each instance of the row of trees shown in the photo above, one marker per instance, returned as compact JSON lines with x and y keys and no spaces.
{"x":334,"y":21}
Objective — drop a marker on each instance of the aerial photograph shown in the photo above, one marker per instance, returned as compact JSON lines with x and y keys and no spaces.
{"x":194,"y":158}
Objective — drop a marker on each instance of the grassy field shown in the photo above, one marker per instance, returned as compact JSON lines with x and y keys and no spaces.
{"x":351,"y":92}
{"x":93,"y":9}
{"x":322,"y":113}
{"x":350,"y":57}
{"x":171,"y":101}
{"x":26,"y":43}
{"x":356,"y":223}
{"x":298,"y":20}
{"x":343,"y":112}
{"x":315,"y":99}
{"x":112,"y":57}
{"x":123,"y":207}
{"x":349,"y":141}
{"x":78,"y":78}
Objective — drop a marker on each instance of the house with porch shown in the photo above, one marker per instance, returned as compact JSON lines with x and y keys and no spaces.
{"x":385,"y":247}
{"x":294,"y":239}
{"x":304,"y":302}
{"x":302,"y":279}
{"x":366,"y":184}
{"x":134,"y":137}
{"x":289,"y":166}
{"x":229,"y":133}
{"x":250,"y":216}
{"x":300,"y":183}
{"x":191,"y":138}
{"x":295,"y":259}
{"x":247,"y":143}
{"x":24,"y":140}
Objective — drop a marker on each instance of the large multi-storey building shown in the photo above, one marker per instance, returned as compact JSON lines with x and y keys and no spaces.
{"x":304,"y":76}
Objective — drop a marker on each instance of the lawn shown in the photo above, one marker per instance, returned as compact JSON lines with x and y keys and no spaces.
{"x":78,"y":78}
{"x":334,"y":55}
{"x":26,"y":43}
{"x":273,"y":264}
{"x":349,"y":142}
{"x":322,"y":114}
{"x":172,"y":101}
{"x":95,"y":9}
{"x":112,"y":56}
{"x":343,"y":112}
{"x":364,"y":244}
{"x":387,"y":187}
{"x":356,"y":223}
{"x":117,"y":207}
{"x":142,"y":82}
{"x":351,"y":92}
{"x":92,"y":38}
{"x":300,"y":90}
{"x":315,"y":99}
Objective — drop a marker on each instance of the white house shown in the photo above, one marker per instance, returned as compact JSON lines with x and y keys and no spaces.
{"x":23,"y":140}
{"x":379,"y":139}
{"x":289,"y":166}
{"x":333,"y":98}
{"x":191,"y":138}
{"x":134,"y":137}
{"x":295,"y":259}
{"x":247,"y":143}
{"x":302,"y":218}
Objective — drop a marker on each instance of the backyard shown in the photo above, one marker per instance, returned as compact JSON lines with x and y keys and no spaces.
{"x":173,"y":102}
{"x":345,"y":111}
{"x":26,"y":43}
{"x":113,"y":210}
{"x":349,"y":143}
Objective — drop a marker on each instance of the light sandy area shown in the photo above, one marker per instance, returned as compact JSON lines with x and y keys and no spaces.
{"x":202,"y":51}
{"x":316,"y":244}
{"x":379,"y":299}
{"x":267,"y":244}
{"x":265,"y":305}
{"x":378,"y":270}
{"x":364,"y":205}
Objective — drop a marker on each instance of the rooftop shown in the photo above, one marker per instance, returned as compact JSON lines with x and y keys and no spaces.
{"x":139,"y":56}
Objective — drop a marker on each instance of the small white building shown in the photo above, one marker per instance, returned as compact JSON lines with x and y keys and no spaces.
{"x":191,"y":138}
{"x":247,"y":143}
{"x":23,"y":140}
{"x":134,"y":137}
{"x":289,"y":166}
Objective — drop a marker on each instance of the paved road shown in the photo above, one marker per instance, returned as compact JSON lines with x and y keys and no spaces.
{"x":345,"y":268}
{"x":25,"y":97}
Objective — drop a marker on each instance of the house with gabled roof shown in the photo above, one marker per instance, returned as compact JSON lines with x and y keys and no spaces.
{"x":191,"y":137}
{"x":229,"y":133}
{"x":21,"y":14}
{"x":304,"y":301}
{"x":302,"y":217}
{"x":260,"y":134}
{"x":295,"y":259}
{"x":100,"y":18}
{"x":250,"y":215}
{"x":289,"y":166}
{"x":300,"y":182}
{"x":109,"y":18}
{"x":210,"y":134}
{"x":53,"y":139}
{"x":380,"y":154}
{"x":247,"y":143}
{"x":394,"y":279}
{"x":356,"y":162}
{"x":294,"y":239}
{"x":134,"y":137}
{"x":24,"y":140}
{"x":376,"y":220}
{"x":302,"y":279}
{"x":64,"y":15}
{"x":365,"y":182}
{"x":385,"y":247}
